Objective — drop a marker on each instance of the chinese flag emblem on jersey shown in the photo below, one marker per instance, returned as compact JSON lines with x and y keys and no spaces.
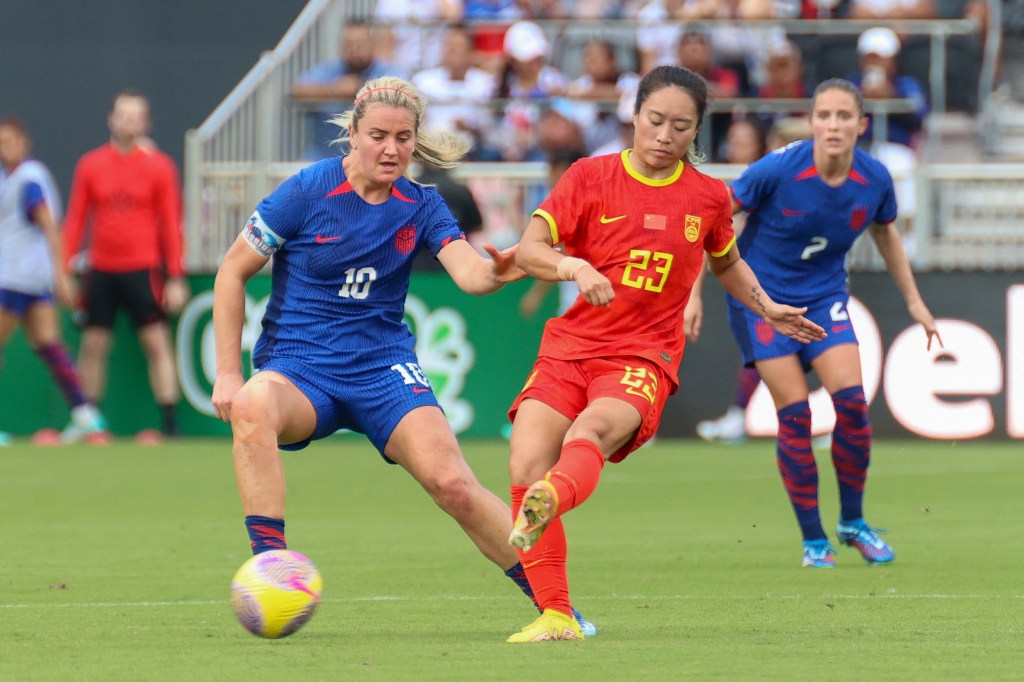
{"x":405,"y":239}
{"x":654,"y":222}
{"x":692,"y":228}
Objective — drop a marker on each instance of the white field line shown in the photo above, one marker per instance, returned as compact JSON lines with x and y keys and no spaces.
{"x":481,"y":598}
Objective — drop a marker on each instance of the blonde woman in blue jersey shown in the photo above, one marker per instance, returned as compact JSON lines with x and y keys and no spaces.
{"x":334,"y":352}
{"x":807,"y":204}
{"x":30,"y":276}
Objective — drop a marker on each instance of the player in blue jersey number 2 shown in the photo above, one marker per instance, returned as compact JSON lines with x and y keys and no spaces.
{"x":807,"y":204}
{"x":334,"y":352}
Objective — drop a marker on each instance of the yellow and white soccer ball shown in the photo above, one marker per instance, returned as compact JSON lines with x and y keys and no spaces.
{"x":275,"y":593}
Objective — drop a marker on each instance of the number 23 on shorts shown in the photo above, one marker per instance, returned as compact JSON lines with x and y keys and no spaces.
{"x":640,"y":382}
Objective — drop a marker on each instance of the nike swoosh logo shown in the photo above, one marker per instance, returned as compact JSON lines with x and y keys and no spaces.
{"x":605,"y":219}
{"x":419,"y":389}
{"x":323,"y":240}
{"x":792,"y":212}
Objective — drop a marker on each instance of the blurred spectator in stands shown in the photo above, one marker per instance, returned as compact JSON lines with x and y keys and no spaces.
{"x":963,"y":51}
{"x":528,"y":73}
{"x":784,"y":72}
{"x":623,"y":137}
{"x":745,"y":141}
{"x":491,"y":18}
{"x":787,"y":131}
{"x":660,"y":25}
{"x":530,"y":303}
{"x":601,"y":80}
{"x":574,"y":9}
{"x":527,"y":77}
{"x":694,"y":53}
{"x":593,"y":9}
{"x":878,"y":49}
{"x":781,"y":74}
{"x":329,"y":85}
{"x":791,"y":9}
{"x":411,"y":31}
{"x":493,"y":9}
{"x":460,"y":201}
{"x":662,"y":22}
{"x":460,"y":93}
{"x":892,"y":9}
{"x":124,"y":221}
{"x":559,"y":131}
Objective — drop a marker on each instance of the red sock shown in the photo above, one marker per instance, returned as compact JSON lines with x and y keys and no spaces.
{"x":544,"y":564}
{"x":576,"y":473}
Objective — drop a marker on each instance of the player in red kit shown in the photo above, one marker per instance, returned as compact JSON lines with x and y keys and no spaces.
{"x":636,"y":227}
{"x":125,"y":208}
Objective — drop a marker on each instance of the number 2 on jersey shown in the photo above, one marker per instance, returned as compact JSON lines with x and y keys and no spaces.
{"x":817,"y":244}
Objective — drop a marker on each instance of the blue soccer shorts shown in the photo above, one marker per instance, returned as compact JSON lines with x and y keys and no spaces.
{"x":370,"y":401}
{"x":758,"y":341}
{"x":18,"y":303}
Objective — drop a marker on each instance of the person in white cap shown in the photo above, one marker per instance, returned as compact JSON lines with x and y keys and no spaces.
{"x":528,"y":75}
{"x":526,"y":78}
{"x":879,"y":78}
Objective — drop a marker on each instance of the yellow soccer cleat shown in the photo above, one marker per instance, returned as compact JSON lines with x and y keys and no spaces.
{"x":540,"y":506}
{"x":550,"y":625}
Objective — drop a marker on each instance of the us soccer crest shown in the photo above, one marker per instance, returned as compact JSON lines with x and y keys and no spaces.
{"x":859,"y":217}
{"x":765,"y":333}
{"x":405,"y":238}
{"x":691,"y":228}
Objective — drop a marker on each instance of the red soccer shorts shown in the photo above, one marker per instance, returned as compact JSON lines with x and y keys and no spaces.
{"x":568,"y":386}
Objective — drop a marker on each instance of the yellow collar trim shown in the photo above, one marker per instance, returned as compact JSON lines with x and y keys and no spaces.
{"x":646,"y":180}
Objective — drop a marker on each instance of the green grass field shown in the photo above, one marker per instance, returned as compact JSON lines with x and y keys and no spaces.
{"x":118,"y":563}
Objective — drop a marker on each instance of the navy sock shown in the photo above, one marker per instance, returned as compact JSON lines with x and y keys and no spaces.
{"x":851,"y":449}
{"x":62,"y":368}
{"x":518,"y":576}
{"x":265,"y":533}
{"x":798,"y":468}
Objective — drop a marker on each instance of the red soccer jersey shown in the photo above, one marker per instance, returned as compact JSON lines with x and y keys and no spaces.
{"x":648,"y":238}
{"x":132,"y":202}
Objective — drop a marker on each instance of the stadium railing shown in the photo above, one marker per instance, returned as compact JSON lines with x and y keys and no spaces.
{"x":968,"y":214}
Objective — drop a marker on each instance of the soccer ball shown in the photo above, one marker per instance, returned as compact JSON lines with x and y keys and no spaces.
{"x":274,"y":593}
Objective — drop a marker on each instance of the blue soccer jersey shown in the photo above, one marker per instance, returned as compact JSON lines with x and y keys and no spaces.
{"x":342,"y":266}
{"x":799,"y":228}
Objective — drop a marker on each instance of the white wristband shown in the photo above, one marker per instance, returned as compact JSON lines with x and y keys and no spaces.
{"x":569,"y":267}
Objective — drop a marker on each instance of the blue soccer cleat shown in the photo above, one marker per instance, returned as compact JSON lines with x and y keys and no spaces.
{"x":865,"y":539}
{"x":586,"y":627}
{"x":819,"y":554}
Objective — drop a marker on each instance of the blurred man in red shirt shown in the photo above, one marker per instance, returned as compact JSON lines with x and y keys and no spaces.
{"x":124,"y":213}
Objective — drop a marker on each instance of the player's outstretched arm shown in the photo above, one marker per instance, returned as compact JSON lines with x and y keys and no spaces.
{"x":889,"y":244}
{"x":475,"y":274}
{"x":740,"y":281}
{"x":539,"y":258}
{"x":240,"y":263}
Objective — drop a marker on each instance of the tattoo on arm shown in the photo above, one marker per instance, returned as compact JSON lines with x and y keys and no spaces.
{"x":755,"y":295}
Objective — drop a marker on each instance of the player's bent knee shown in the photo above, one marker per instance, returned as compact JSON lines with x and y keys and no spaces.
{"x":253,"y":410}
{"x":453,"y":494}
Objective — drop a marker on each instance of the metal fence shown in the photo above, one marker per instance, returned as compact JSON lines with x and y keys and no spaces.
{"x":968,"y":215}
